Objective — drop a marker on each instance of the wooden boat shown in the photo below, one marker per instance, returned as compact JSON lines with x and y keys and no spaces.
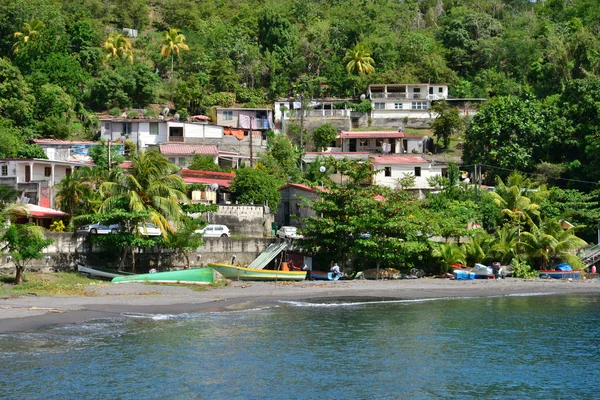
{"x":250,"y":274}
{"x":100,"y":272}
{"x":562,"y":271}
{"x":194,"y":276}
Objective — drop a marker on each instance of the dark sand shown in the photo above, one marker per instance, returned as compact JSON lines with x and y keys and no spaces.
{"x":109,"y":300}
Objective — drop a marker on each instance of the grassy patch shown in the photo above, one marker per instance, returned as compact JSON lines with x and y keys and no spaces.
{"x":418,"y":132}
{"x":55,"y":284}
{"x":215,"y":285}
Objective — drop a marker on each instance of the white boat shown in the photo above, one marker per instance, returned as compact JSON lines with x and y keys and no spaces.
{"x":482,"y":272}
{"x":100,"y":272}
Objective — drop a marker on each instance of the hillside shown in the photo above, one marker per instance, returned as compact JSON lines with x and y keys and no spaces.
{"x":63,"y":60}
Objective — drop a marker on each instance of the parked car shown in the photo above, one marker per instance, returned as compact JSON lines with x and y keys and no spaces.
{"x":99,"y":229}
{"x":148,"y":229}
{"x":214,"y":231}
{"x":288,"y":232}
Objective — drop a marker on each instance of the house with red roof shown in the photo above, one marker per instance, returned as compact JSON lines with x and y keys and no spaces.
{"x":211,"y":187}
{"x":382,"y":142}
{"x":392,"y":168}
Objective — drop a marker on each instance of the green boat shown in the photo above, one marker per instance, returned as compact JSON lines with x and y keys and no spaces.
{"x":194,"y":276}
{"x":250,"y":274}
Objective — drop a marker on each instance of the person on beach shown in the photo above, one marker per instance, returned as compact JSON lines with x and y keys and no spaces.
{"x":335,"y":271}
{"x":307,"y":269}
{"x":496,"y":269}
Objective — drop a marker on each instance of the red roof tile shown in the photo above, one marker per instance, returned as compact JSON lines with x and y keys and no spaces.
{"x":399,"y":160}
{"x":371,"y":135}
{"x":193,"y":173}
{"x":304,"y":187}
{"x":221,"y":182}
{"x":188,"y":149}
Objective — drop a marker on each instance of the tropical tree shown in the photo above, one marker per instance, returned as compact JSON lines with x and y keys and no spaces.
{"x":358,"y":60}
{"x":75,"y":192}
{"x":29,"y":32}
{"x":173,"y":43}
{"x":550,"y":242}
{"x":24,"y":242}
{"x":450,"y":254}
{"x":117,"y":46}
{"x":150,"y":186}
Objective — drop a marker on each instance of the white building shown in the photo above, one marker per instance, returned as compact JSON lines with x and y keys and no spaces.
{"x":393,"y":168}
{"x":412,"y":101}
{"x":147,"y":132}
{"x":66,"y":150}
{"x":35,"y":178}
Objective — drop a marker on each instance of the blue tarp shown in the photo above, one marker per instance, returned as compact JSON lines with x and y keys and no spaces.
{"x":564,"y":267}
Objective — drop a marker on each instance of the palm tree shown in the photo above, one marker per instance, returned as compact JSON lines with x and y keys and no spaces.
{"x":358,"y":60}
{"x":150,"y":186}
{"x":450,"y":254}
{"x":505,"y":245}
{"x":30,"y":30}
{"x":476,"y":250}
{"x":518,"y":203}
{"x":117,"y":46}
{"x":549,"y":241}
{"x":173,"y":43}
{"x":76,"y":192}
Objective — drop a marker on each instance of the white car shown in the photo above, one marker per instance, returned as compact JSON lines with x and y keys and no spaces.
{"x":99,"y":229}
{"x":214,"y":231}
{"x":147,"y":229}
{"x":288,"y":232}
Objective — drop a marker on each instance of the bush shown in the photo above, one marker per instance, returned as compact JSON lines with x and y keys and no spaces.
{"x":57,"y":226}
{"x":133,"y":114}
{"x":115,"y":112}
{"x":522,"y":270}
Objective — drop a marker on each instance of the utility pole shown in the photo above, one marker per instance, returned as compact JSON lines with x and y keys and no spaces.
{"x":250,"y":136}
{"x":301,"y":129}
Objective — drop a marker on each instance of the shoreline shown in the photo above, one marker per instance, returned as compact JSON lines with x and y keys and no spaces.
{"x":32,"y":312}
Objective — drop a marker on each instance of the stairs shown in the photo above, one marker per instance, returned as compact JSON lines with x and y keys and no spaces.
{"x":590,"y":255}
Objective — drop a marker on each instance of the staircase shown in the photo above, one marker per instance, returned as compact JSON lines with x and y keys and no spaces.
{"x":590,"y":255}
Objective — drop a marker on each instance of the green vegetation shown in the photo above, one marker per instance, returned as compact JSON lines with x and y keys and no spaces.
{"x":56,"y":284}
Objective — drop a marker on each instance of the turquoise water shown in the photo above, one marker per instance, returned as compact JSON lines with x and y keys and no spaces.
{"x":535,"y":347}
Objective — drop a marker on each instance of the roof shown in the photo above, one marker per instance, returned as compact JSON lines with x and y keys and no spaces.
{"x":304,"y":187}
{"x":268,"y":255}
{"x":188,"y":149}
{"x":399,"y":160}
{"x":206,"y":174}
{"x":43,"y":212}
{"x":207,"y":181}
{"x":46,"y":161}
{"x":371,"y":135}
{"x":338,"y":155}
{"x":58,"y":141}
{"x":244,"y":109}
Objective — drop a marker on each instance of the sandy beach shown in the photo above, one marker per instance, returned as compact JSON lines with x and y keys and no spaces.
{"x":109,"y":300}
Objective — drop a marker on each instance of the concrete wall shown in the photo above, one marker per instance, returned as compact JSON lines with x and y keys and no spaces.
{"x":312,"y":123}
{"x":248,"y":220}
{"x":68,"y":247}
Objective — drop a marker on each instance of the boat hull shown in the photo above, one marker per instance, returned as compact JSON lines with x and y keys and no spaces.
{"x":100,"y":272}
{"x":574,"y":275}
{"x":249,"y":274}
{"x":323,"y":276}
{"x":194,"y":276}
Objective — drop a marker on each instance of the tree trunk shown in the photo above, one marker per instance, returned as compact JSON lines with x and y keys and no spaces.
{"x":123,"y":258}
{"x":171,"y":76}
{"x":132,"y":259}
{"x":19,"y":274}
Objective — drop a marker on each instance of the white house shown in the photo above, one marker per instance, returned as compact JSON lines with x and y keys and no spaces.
{"x":35,"y":178}
{"x":145,"y":132}
{"x":66,"y":150}
{"x":412,"y":101}
{"x":386,"y":142}
{"x":393,"y":168}
{"x":183,"y":154}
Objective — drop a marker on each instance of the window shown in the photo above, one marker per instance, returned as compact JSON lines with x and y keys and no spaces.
{"x":68,"y":172}
{"x":417,"y":171}
{"x":440,"y":90}
{"x":181,"y":161}
{"x":380,"y":106}
{"x":154,"y":128}
{"x":417,"y":90}
{"x":5,"y":170}
{"x":228,"y":115}
{"x":419,"y":105}
{"x":126,"y":128}
{"x":388,"y":171}
{"x":172,"y":160}
{"x":398,"y":106}
{"x":107,"y":126}
{"x":47,"y":171}
{"x":445,"y":172}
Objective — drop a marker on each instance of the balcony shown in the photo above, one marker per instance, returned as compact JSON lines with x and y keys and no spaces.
{"x":407,"y":96}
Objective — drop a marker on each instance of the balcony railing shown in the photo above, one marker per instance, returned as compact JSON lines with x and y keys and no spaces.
{"x":318,"y":113}
{"x":407,"y":96}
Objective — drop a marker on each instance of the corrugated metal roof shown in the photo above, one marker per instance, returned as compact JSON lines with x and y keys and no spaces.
{"x":371,"y":135}
{"x":188,"y":149}
{"x":268,"y":255}
{"x":399,"y":160}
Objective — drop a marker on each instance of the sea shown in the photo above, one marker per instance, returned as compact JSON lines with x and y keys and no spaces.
{"x":535,"y":346}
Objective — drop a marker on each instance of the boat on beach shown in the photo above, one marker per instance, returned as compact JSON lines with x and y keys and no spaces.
{"x":250,"y":274}
{"x":482,"y":272}
{"x":562,"y":271}
{"x":100,"y":272}
{"x":323,"y":276}
{"x":194,"y":276}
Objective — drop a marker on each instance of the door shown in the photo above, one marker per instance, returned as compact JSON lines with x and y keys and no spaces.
{"x":27,"y":173}
{"x":352,"y":145}
{"x":286,"y":213}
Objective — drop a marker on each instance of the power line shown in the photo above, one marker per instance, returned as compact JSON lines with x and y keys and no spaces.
{"x":529,"y":173}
